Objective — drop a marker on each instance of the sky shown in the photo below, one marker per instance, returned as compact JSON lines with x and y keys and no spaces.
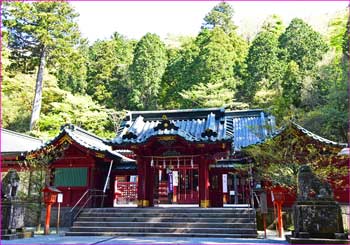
{"x":133,"y":19}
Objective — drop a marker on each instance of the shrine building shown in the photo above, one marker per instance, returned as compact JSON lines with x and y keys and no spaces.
{"x":165,"y":157}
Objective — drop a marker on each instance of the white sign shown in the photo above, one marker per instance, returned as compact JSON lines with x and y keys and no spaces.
{"x":232,"y":193}
{"x":59,"y":197}
{"x":224,"y":183}
{"x":175,"y":178}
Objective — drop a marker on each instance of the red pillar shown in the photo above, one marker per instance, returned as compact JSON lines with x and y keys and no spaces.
{"x":47,"y":220}
{"x":149,"y":183}
{"x":279,"y":219}
{"x":141,"y":185}
{"x":203,"y":183}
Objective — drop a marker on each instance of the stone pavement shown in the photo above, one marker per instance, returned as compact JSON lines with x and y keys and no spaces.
{"x":61,"y":239}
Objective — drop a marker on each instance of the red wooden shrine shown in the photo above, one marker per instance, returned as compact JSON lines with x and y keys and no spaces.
{"x":165,"y":157}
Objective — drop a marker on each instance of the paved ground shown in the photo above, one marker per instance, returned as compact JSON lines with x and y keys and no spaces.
{"x":61,"y":239}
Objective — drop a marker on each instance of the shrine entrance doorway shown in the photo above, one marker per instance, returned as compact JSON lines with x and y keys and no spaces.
{"x":175,"y":184}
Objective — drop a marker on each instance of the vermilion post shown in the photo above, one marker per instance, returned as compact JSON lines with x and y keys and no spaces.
{"x":47,"y":220}
{"x":280,"y":220}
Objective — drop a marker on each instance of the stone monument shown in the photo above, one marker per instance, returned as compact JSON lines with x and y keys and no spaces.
{"x":316,"y":215}
{"x":12,"y":210}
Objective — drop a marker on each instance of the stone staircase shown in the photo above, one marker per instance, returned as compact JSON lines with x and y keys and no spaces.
{"x":175,"y":222}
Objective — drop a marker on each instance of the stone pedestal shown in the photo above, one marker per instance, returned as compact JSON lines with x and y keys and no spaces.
{"x":12,"y":220}
{"x":320,"y":219}
{"x":12,"y":215}
{"x":317,"y":222}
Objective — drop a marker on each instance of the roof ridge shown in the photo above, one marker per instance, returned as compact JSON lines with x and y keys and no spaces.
{"x":75,"y":127}
{"x":21,"y":134}
{"x":316,"y":136}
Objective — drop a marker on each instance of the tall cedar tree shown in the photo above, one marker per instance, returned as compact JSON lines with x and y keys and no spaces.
{"x":220,"y":16}
{"x":302,"y":44}
{"x":146,"y":72}
{"x":38,"y":31}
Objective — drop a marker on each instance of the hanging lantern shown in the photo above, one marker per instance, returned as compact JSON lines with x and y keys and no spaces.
{"x":178,"y":163}
{"x":152,"y":162}
{"x":192,"y":162}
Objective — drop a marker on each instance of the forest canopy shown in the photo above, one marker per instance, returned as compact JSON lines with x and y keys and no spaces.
{"x":291,"y":71}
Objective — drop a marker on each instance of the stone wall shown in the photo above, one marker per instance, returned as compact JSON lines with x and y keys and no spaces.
{"x":64,"y":217}
{"x":288,"y":218}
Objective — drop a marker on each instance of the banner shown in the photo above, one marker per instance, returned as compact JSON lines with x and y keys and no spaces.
{"x":224,"y":183}
{"x":175,"y":178}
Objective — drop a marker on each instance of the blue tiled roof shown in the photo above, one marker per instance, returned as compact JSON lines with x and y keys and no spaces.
{"x":198,"y":125}
{"x":85,"y":139}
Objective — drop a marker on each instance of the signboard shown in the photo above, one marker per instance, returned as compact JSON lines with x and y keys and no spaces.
{"x":232,"y":193}
{"x":175,"y":178}
{"x":224,"y":183}
{"x":59,"y":197}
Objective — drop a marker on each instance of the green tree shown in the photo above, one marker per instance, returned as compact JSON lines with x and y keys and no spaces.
{"x":71,"y":69}
{"x":38,"y":31}
{"x":292,"y":84}
{"x":220,"y":16}
{"x":302,"y":45}
{"x":208,"y":95}
{"x":264,"y":68}
{"x":216,"y":58}
{"x":146,"y":71}
{"x":108,"y":62}
{"x":178,"y":73}
{"x":273,"y":24}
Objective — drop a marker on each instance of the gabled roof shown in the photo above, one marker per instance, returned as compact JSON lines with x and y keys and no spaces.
{"x":306,"y":133}
{"x":14,"y":143}
{"x":197,"y":125}
{"x":85,"y":139}
{"x":317,"y":137}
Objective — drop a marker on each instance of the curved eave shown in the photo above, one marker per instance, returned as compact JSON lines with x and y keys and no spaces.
{"x":304,"y":132}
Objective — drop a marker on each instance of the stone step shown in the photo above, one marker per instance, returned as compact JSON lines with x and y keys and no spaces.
{"x":182,"y":230}
{"x":164,"y":224}
{"x":166,"y":219}
{"x":170,"y":210}
{"x":182,"y":215}
{"x":173,"y":234}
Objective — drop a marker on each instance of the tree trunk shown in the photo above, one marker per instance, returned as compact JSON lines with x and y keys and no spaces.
{"x":38,"y":90}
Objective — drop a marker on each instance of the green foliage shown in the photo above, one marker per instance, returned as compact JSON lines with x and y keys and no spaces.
{"x":178,"y":74}
{"x":108,"y":61}
{"x":302,"y":44}
{"x":35,"y":26}
{"x":72,"y":76}
{"x":278,"y":159}
{"x":337,"y":29}
{"x":215,"y":60}
{"x":220,"y":16}
{"x":264,"y":68}
{"x":59,"y":107}
{"x":273,"y":24}
{"x":146,"y":72}
{"x":39,"y":31}
{"x":292,"y":84}
{"x":208,"y":95}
